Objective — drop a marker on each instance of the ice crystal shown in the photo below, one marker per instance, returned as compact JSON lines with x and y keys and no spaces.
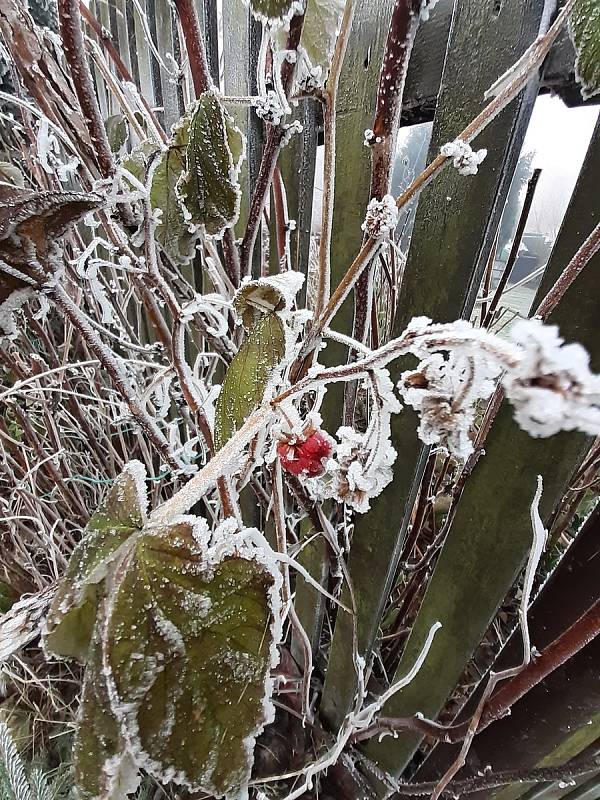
{"x":552,"y":388}
{"x":269,"y":107}
{"x":463,"y":157}
{"x":381,"y":218}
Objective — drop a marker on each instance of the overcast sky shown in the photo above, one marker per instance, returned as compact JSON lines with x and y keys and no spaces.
{"x":560,"y":137}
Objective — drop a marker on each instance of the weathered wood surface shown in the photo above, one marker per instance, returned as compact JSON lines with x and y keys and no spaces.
{"x":569,"y":592}
{"x":440,"y":283}
{"x":425,"y":72}
{"x":356,"y":108}
{"x":490,"y":537}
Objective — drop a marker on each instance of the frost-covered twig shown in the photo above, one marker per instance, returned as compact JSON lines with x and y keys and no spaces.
{"x":274,"y":141}
{"x":492,"y":780}
{"x":573,"y":269}
{"x":536,"y":55}
{"x":114,"y":368}
{"x":359,"y":718}
{"x":383,"y":137}
{"x":72,"y":36}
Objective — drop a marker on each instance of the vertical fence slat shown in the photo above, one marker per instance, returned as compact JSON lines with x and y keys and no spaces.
{"x":123,"y":32}
{"x":436,"y":282}
{"x":356,"y":107}
{"x":571,"y":590}
{"x":140,"y":54}
{"x":590,"y":790}
{"x":165,"y":42}
{"x":236,"y":55}
{"x":297,"y":164}
{"x":490,"y":536}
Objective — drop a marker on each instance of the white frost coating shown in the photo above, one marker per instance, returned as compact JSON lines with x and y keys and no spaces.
{"x":381,"y":218}
{"x":297,"y":7}
{"x":9,"y":307}
{"x":552,"y":388}
{"x":269,"y":107}
{"x":122,"y":774}
{"x":296,"y":127}
{"x":211,"y":306}
{"x":286,"y":284}
{"x":23,"y":622}
{"x":464,"y":158}
{"x":427,"y":8}
{"x":445,"y":390}
{"x":362,"y":466}
{"x":227,"y":459}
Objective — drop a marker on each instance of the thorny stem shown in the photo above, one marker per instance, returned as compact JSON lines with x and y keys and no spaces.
{"x":528,"y":64}
{"x":275,"y":136}
{"x":573,"y":269}
{"x":323,"y":286}
{"x":574,"y":639}
{"x":194,"y":43}
{"x":70,"y":30}
{"x":491,"y":780}
{"x":403,"y":29}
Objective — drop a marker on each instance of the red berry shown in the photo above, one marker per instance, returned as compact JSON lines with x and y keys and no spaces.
{"x":305,"y":456}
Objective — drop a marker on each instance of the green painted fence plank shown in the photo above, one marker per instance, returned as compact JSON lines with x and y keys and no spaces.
{"x":490,"y":536}
{"x":570,"y":591}
{"x":439,"y":282}
{"x":357,"y":94}
{"x":297,"y":164}
{"x":236,"y":56}
{"x":590,"y":790}
{"x":583,"y":735}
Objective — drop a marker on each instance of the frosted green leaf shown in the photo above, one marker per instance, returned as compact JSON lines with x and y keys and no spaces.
{"x":172,"y":232}
{"x":209,"y":188}
{"x":321,"y":23}
{"x":136,"y":162}
{"x":272,"y":9}
{"x":104,"y":769}
{"x":72,"y":613}
{"x":584,"y":27}
{"x":117,"y":131}
{"x":247,"y":376}
{"x":188,"y":651}
{"x":9,"y":173}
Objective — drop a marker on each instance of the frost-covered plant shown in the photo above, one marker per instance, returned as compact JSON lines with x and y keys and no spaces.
{"x":130,"y":292}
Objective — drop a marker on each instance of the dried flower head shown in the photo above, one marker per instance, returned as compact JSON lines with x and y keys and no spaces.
{"x":445,"y":390}
{"x":552,"y":388}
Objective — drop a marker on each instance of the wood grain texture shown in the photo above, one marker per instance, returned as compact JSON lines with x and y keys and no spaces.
{"x":439,"y":283}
